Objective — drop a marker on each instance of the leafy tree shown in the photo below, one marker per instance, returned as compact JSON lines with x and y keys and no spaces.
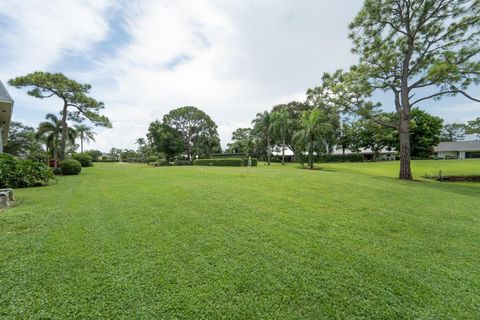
{"x":262,"y":127}
{"x":242,"y":141}
{"x":165,"y":139}
{"x":281,"y":124}
{"x":418,"y":50}
{"x":85,"y":133}
{"x":77,"y":105}
{"x":473,"y":127}
{"x":314,"y":133}
{"x":371,"y":135}
{"x":345,"y":136}
{"x":453,"y":132}
{"x":142,"y":143}
{"x":198,"y":130}
{"x":22,"y":142}
{"x":95,"y":154}
{"x":425,"y":132}
{"x":295,"y":109}
{"x":52,"y":130}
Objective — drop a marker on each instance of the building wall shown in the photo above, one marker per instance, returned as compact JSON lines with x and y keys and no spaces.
{"x":443,"y":154}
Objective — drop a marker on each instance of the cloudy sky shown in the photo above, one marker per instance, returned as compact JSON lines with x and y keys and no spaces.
{"x":230,"y":58}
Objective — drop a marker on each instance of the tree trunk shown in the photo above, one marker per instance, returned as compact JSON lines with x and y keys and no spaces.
{"x":310,"y":155}
{"x":268,"y":150}
{"x":63,"y":141}
{"x":81,"y":143}
{"x":404,"y":134}
{"x":283,"y":152}
{"x":55,"y":157}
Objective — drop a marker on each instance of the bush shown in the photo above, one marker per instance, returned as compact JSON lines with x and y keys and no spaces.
{"x":225,"y":162}
{"x":152,"y":159}
{"x":183,"y":163}
{"x":159,"y":163}
{"x":84,"y":159}
{"x":57,"y":171}
{"x":18,"y":173}
{"x":71,"y":167}
{"x":107,"y":160}
{"x":354,"y":157}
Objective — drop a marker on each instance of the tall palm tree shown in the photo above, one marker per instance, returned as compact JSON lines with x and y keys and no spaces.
{"x":85,"y":133}
{"x":262,"y":124}
{"x":50,"y":131}
{"x":314,"y":132}
{"x":281,"y":123}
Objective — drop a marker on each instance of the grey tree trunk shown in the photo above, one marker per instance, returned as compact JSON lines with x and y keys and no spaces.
{"x":268,"y":150}
{"x":404,"y":135}
{"x":283,"y":152}
{"x":63,"y":141}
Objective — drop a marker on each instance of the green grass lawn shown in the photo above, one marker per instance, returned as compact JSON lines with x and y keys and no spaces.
{"x":350,"y":241}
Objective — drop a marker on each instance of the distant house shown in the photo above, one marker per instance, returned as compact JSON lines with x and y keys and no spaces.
{"x":458,"y":150}
{"x":368,"y":154}
{"x":6,"y":108}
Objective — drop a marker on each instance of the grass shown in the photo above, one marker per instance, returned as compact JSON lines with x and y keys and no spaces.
{"x":130,"y":241}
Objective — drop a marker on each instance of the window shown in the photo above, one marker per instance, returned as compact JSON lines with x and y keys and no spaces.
{"x":472,"y":155}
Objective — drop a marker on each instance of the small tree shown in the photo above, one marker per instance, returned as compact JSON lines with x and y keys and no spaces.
{"x":371,"y":135}
{"x":473,"y":127}
{"x":453,"y":132}
{"x":314,"y":133}
{"x":165,"y":139}
{"x":77,"y":105}
{"x":281,"y":123}
{"x":262,"y":126}
{"x":85,"y":133}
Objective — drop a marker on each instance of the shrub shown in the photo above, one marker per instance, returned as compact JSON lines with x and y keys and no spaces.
{"x":152,"y":159}
{"x":225,"y":162}
{"x":183,"y":163}
{"x":57,"y":171}
{"x":84,"y":159}
{"x":159,"y":163}
{"x":18,"y":173}
{"x":354,"y":157}
{"x":71,"y":167}
{"x":107,"y":160}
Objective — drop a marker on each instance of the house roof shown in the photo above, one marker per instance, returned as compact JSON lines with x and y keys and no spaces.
{"x":4,"y":96}
{"x":458,"y":146}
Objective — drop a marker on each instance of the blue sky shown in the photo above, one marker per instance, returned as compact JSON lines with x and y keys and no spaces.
{"x":230,"y":58}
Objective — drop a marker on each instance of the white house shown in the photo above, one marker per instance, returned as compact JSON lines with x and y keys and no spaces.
{"x":458,"y":150}
{"x":6,"y":108}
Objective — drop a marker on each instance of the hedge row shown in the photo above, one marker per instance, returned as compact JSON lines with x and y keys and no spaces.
{"x":342,"y":158}
{"x":224,"y":162}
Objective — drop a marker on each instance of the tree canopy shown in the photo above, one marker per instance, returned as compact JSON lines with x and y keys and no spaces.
{"x":77,"y":104}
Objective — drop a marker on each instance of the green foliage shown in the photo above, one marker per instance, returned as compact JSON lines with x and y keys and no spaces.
{"x":180,"y":162}
{"x":354,"y":157}
{"x":18,"y":173}
{"x":473,"y":127}
{"x":77,"y":105}
{"x":165,"y":139}
{"x":197,"y":129}
{"x":95,"y":154}
{"x":152,"y":158}
{"x":159,"y":163}
{"x":243,"y":141}
{"x":84,"y":158}
{"x":453,"y":132}
{"x":71,"y":167}
{"x":315,"y":131}
{"x":22,"y":142}
{"x":371,"y":135}
{"x":85,"y":133}
{"x":225,"y":162}
{"x":262,"y":129}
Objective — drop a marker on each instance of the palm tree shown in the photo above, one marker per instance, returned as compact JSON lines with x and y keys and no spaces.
{"x":281,"y":123}
{"x":263,"y":125}
{"x":315,"y":130}
{"x":85,"y":133}
{"x":50,"y":131}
